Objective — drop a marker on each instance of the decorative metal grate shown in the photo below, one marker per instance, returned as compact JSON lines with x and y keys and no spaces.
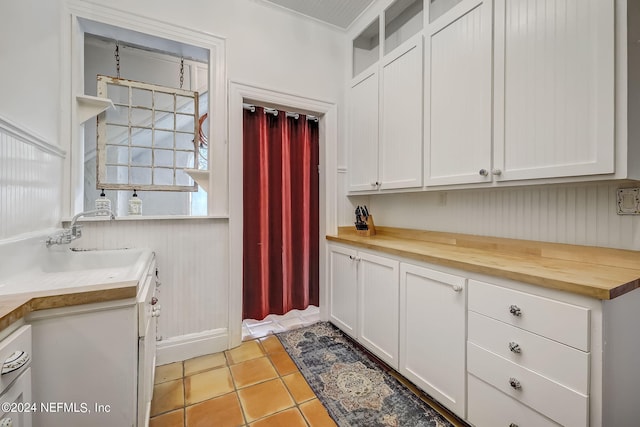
{"x":149,"y":139}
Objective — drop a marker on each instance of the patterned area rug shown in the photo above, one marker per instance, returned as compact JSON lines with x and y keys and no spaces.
{"x":353,"y":388}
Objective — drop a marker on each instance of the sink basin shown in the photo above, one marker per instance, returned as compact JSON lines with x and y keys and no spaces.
{"x":69,"y":261}
{"x":59,"y":270}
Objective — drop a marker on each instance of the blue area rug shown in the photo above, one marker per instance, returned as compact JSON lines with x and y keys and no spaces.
{"x":355,"y":390}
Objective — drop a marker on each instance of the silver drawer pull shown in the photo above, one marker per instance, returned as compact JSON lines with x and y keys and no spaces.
{"x":515,"y":310}
{"x":515,"y":347}
{"x":515,"y":384}
{"x":354,"y":258}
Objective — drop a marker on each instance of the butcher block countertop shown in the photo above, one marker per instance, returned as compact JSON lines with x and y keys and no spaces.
{"x":601,"y":273}
{"x":15,"y":307}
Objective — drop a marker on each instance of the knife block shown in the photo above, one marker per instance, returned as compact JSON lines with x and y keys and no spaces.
{"x":371,"y":228}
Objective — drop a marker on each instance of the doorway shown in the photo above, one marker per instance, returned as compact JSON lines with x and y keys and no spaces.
{"x":280,"y":229}
{"x":327,"y":183}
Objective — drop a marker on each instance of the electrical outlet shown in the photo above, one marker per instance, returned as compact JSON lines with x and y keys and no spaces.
{"x":628,"y":201}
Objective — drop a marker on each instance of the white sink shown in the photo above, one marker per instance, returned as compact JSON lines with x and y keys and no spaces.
{"x":59,"y":270}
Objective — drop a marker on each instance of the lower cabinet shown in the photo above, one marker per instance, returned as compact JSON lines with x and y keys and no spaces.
{"x":378,"y":291}
{"x":433,"y":333}
{"x":363,"y":291}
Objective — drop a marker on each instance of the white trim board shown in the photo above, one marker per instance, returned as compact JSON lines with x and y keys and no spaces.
{"x":189,"y":346}
{"x":328,"y":116}
{"x":29,"y":137}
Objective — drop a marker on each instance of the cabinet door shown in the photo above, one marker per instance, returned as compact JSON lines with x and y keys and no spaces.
{"x":363,"y":132}
{"x":378,"y":327}
{"x":343,"y":289}
{"x":400,"y":159}
{"x":433,"y":333}
{"x":458,"y":96}
{"x":554,"y":88}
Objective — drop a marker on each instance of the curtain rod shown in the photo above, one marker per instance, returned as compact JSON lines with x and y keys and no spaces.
{"x":273,"y":111}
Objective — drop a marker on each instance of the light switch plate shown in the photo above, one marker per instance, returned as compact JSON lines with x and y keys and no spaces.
{"x":628,"y":201}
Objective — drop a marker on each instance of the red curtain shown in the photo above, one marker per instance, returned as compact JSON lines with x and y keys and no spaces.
{"x":280,"y":163}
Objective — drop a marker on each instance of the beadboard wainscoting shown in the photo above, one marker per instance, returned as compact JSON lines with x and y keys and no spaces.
{"x":580,"y":214}
{"x":193,"y":260}
{"x":30,"y":181}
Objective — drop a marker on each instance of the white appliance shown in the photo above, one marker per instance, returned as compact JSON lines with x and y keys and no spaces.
{"x":16,"y":404}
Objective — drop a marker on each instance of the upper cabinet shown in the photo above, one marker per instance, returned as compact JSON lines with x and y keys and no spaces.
{"x":492,"y":93}
{"x":385,"y":101}
{"x":550,"y":100}
{"x":458,"y":93}
{"x":554,"y":88}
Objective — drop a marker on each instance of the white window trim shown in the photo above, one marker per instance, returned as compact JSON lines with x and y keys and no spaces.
{"x":72,"y":47}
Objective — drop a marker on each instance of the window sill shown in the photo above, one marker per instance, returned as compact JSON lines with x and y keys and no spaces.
{"x":146,"y":218}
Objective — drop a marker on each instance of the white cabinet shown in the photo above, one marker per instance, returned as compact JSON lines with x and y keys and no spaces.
{"x":96,"y":357}
{"x":378,"y":306}
{"x":433,"y":333}
{"x":385,"y":102}
{"x":343,"y":289}
{"x":554,"y":88}
{"x":16,"y":401}
{"x":400,"y":152}
{"x":551,"y":100}
{"x":458,"y":96}
{"x":363,"y":295}
{"x":363,"y":132}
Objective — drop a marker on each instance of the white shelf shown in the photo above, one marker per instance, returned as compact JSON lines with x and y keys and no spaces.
{"x":90,"y":106}
{"x":200,"y":176}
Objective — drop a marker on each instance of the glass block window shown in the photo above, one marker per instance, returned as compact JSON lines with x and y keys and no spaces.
{"x":147,"y":141}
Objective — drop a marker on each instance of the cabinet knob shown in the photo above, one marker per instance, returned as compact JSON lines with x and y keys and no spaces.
{"x":515,"y":310}
{"x":375,"y":184}
{"x":515,"y":384}
{"x":515,"y":347}
{"x":513,"y":425}
{"x":496,"y":172}
{"x":154,"y":301}
{"x":354,"y":258}
{"x":483,"y":172}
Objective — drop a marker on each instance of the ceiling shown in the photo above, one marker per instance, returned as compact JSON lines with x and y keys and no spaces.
{"x":340,"y":13}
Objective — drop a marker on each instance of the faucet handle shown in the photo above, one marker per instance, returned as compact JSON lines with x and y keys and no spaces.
{"x":76,"y":231}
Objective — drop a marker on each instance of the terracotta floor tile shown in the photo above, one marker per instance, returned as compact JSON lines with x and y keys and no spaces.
{"x":252,"y":372}
{"x":169,"y":372}
{"x":283,"y":363}
{"x":203,"y":363}
{"x":289,"y":418}
{"x":264,"y":399}
{"x":170,"y":419}
{"x":316,"y":414}
{"x":246,"y":351}
{"x":271,"y":344}
{"x":298,"y":387}
{"x":207,"y":384}
{"x":167,"y":396}
{"x":223,"y":411}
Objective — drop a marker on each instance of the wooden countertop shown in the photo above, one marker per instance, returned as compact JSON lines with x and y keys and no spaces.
{"x":601,"y":273}
{"x":14,"y":307}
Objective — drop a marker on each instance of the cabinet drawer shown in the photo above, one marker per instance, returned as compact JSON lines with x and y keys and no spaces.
{"x":558,"y":362}
{"x":556,"y":320}
{"x":18,"y":341}
{"x":564,"y":406}
{"x":489,"y":407}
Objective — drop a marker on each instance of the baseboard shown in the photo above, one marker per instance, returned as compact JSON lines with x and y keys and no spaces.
{"x":185,"y":347}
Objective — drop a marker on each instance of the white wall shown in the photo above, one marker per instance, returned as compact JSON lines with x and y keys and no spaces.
{"x":265,"y":47}
{"x":581,"y":214}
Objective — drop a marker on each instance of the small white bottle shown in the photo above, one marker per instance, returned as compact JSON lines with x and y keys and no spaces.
{"x":135,"y":204}
{"x":103,"y":203}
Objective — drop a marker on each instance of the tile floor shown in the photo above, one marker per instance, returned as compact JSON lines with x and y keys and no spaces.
{"x":253,"y":385}
{"x":256,"y":384}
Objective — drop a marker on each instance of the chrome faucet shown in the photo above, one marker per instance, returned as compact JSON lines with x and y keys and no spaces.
{"x":74,"y":231}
